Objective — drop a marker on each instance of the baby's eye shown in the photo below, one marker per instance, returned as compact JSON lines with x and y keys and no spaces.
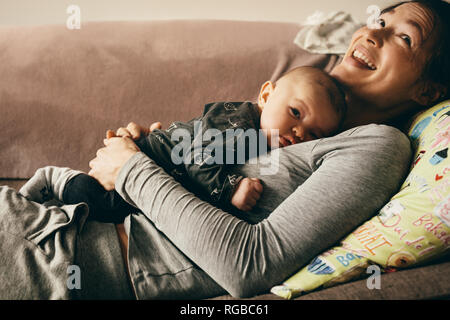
{"x":295,"y":112}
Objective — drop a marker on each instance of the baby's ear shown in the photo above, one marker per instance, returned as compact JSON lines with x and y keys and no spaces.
{"x":429,"y":93}
{"x":266,"y":90}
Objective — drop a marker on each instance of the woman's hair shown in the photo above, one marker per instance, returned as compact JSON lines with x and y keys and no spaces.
{"x":437,"y":67}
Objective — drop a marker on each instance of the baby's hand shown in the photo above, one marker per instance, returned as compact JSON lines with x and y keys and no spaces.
{"x":247,"y":194}
{"x":133,"y":131}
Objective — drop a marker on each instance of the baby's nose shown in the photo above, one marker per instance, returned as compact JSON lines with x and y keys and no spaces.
{"x":298,"y":134}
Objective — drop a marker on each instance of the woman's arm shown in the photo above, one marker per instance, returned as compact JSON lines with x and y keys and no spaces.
{"x":354,"y":174}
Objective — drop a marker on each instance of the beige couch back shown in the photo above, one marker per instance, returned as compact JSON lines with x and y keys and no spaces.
{"x":61,"y":89}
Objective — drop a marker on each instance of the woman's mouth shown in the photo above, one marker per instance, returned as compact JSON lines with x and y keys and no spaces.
{"x":361,"y":60}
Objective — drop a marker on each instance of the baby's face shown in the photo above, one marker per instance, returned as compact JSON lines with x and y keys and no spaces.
{"x":300,"y":108}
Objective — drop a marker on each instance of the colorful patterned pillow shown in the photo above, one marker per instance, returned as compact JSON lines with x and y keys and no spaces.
{"x":413,"y":228}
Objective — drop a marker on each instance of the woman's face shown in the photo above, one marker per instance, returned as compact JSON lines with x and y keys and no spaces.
{"x":383,"y":64}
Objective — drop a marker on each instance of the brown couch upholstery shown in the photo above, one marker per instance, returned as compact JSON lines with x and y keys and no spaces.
{"x":61,"y":89}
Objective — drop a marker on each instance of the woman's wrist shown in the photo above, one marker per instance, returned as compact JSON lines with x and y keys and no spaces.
{"x":123,"y":172}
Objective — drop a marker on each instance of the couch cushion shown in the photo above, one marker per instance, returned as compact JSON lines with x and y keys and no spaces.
{"x":65,"y":88}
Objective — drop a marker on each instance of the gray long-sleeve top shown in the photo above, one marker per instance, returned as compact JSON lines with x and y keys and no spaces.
{"x":183,"y":247}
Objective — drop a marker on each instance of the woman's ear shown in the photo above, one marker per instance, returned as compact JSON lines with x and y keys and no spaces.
{"x":266,"y":90}
{"x":429,"y":93}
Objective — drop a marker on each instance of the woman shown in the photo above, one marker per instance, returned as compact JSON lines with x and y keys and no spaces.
{"x":182,"y":247}
{"x":393,"y":75}
{"x":409,"y":52}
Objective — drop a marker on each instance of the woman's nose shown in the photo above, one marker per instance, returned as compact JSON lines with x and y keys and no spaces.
{"x":375,"y":37}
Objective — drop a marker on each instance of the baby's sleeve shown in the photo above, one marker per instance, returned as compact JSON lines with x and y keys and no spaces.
{"x":227,"y":134}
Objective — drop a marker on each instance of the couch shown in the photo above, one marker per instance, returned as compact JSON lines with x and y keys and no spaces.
{"x":61,"y":89}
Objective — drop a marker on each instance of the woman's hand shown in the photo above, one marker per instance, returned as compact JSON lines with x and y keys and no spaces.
{"x":119,"y":148}
{"x":133,"y":131}
{"x":106,"y":166}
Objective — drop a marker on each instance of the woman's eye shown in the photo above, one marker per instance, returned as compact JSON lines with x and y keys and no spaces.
{"x":381,"y":22}
{"x":295,"y":112}
{"x":407,"y":39}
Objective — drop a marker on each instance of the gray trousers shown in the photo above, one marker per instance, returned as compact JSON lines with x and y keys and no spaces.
{"x":50,"y":252}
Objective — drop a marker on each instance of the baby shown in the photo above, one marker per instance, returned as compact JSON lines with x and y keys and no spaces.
{"x":303,"y":105}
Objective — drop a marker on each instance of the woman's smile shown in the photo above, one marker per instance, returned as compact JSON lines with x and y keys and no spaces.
{"x":362,"y":56}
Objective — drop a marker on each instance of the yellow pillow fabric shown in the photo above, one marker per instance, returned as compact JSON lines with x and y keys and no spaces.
{"x":413,"y":228}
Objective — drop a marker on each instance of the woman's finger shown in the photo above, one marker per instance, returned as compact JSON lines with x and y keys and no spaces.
{"x":109,"y":141}
{"x":123,"y":132}
{"x":110,"y":134}
{"x":91,"y":164}
{"x":135,"y":130}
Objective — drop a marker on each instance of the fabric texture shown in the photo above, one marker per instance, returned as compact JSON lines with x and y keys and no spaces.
{"x":102,"y":267}
{"x":53,"y":252}
{"x":104,"y":206}
{"x":48,"y":183}
{"x":37,"y":244}
{"x":327,"y":34}
{"x":364,"y":165}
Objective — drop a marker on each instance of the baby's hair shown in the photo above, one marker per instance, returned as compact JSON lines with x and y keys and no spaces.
{"x":337,"y":96}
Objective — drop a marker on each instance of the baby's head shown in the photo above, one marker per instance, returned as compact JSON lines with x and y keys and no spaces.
{"x":304,"y":104}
